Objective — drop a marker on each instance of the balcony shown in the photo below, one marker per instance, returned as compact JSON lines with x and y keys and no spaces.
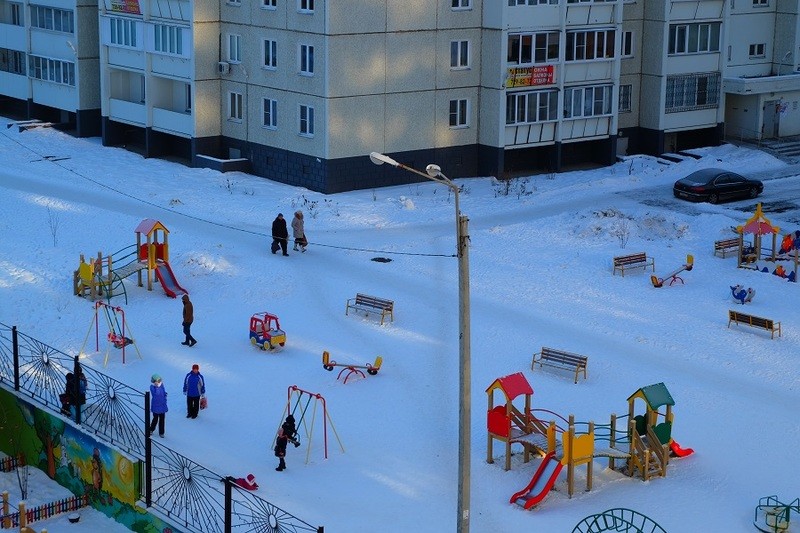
{"x":13,"y":37}
{"x":128,"y":112}
{"x":173,"y":122}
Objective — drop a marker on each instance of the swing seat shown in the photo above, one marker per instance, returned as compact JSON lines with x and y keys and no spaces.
{"x":118,"y":341}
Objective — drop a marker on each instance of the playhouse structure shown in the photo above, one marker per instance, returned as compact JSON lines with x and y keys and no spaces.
{"x":103,"y":276}
{"x":641,"y":443}
{"x":775,"y":255}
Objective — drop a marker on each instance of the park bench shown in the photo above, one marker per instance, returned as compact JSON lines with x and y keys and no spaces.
{"x":639,"y":260}
{"x":560,"y":359}
{"x":726,"y":247}
{"x":371,"y":304}
{"x":755,"y":321}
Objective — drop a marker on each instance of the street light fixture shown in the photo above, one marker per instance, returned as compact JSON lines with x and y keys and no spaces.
{"x":434,"y":173}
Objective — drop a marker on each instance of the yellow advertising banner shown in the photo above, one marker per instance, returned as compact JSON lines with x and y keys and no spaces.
{"x":126,"y":6}
{"x":528,"y":76}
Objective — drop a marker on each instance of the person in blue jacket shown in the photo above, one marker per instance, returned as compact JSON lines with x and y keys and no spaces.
{"x":158,"y":404}
{"x":194,"y":386}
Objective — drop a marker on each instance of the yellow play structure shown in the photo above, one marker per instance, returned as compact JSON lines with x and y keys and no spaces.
{"x":642,"y":443}
{"x":103,"y":276}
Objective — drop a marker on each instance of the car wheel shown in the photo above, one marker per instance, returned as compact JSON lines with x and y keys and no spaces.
{"x":713,"y":198}
{"x":753,"y":192}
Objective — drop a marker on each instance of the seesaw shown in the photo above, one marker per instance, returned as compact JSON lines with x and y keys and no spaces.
{"x":329,"y":364}
{"x":673,"y":276}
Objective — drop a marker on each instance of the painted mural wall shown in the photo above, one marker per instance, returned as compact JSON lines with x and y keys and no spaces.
{"x":76,"y":461}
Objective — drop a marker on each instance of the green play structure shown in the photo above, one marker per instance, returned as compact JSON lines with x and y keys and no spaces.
{"x":773,"y":516}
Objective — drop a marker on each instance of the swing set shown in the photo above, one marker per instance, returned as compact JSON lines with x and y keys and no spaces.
{"x":116,"y":337}
{"x":298,"y":398}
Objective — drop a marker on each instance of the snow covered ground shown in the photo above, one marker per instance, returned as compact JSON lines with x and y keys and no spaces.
{"x":540,"y":262}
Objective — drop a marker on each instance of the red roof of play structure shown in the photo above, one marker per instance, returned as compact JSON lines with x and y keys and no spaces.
{"x":147,"y":226}
{"x":512,"y":385}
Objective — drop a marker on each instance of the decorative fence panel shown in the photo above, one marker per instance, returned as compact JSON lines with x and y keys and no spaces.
{"x":183,"y":491}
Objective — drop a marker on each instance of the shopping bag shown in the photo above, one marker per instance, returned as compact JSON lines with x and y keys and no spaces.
{"x":203,"y":402}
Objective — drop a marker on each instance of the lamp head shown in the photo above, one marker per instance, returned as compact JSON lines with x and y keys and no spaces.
{"x":380,"y":159}
{"x":433,"y":171}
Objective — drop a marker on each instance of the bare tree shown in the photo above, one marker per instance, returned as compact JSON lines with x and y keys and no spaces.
{"x":53,"y":221}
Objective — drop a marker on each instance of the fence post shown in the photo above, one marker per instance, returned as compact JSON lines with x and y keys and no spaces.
{"x":228,"y":504}
{"x":148,"y":454}
{"x":15,"y":351}
{"x":76,"y":392}
{"x":6,"y":520}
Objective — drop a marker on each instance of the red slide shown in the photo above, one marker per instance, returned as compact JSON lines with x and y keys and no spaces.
{"x":541,"y":483}
{"x":167,"y":279}
{"x":678,"y":451}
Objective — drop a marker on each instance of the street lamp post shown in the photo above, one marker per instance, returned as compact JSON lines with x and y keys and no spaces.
{"x":434,"y":173}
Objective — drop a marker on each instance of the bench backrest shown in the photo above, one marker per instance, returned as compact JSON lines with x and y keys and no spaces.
{"x":563,"y":357}
{"x":726,"y":243}
{"x":633,"y":258}
{"x":372,"y":301}
{"x":750,"y":319}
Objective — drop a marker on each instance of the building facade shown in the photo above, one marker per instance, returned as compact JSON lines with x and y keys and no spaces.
{"x":301,"y":91}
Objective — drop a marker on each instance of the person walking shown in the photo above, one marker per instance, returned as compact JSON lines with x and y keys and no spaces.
{"x":158,"y":404}
{"x":188,"y":318}
{"x":194,"y":386}
{"x":280,"y":450}
{"x":280,"y":234}
{"x":299,"y":232}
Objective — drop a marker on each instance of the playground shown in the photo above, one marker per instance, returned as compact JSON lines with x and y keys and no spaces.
{"x":540,"y":275}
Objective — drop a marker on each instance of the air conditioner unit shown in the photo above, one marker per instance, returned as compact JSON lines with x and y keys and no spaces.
{"x":223,"y":67}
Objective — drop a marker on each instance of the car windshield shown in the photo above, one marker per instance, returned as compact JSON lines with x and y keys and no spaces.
{"x":696,"y":179}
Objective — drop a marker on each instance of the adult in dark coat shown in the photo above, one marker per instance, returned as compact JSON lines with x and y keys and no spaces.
{"x":280,"y":449}
{"x":290,"y":430}
{"x":280,"y":234}
{"x":188,"y":318}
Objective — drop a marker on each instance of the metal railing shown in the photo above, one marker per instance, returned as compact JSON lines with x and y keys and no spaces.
{"x":184,"y":491}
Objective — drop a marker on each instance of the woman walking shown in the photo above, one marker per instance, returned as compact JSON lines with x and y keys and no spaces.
{"x":158,"y":404}
{"x":299,"y":232}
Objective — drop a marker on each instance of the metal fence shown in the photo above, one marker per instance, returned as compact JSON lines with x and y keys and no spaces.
{"x":183,"y":491}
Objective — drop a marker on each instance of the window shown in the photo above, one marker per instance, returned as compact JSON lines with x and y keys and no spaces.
{"x":458,"y":113}
{"x":625,"y":98}
{"x":460,"y":4}
{"x":305,"y":6}
{"x":693,"y":91}
{"x":530,"y":48}
{"x":582,"y":45}
{"x":188,"y":97}
{"x":693,"y":38}
{"x":269,"y":4}
{"x":16,"y":15}
{"x":123,"y":32}
{"x":627,"y":44}
{"x":235,"y":106}
{"x":306,"y":121}
{"x":270,"y":114}
{"x":49,"y":18}
{"x":234,"y":48}
{"x":168,"y":39}
{"x":306,"y":59}
{"x":760,"y":3}
{"x":583,"y":102}
{"x":527,"y":108}
{"x":270,"y":54}
{"x":513,"y":3}
{"x":54,"y":70}
{"x":237,"y":3}
{"x":459,"y":54}
{"x":758,"y":50}
{"x":12,"y":61}
{"x":142,"y":89}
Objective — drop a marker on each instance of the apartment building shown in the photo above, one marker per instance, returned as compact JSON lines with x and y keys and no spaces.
{"x":49,"y":64}
{"x":301,"y":91}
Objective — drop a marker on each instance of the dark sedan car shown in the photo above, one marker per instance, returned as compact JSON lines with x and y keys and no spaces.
{"x":715,"y":185}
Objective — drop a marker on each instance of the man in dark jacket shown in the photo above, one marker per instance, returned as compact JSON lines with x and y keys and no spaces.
{"x":194,"y":386}
{"x":188,"y":318}
{"x":280,"y":234}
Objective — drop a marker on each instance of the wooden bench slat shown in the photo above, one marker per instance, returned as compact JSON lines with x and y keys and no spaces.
{"x":755,"y":322}
{"x":561,"y":359}
{"x":725,"y":247}
{"x":637,"y":260}
{"x":371,"y":304}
